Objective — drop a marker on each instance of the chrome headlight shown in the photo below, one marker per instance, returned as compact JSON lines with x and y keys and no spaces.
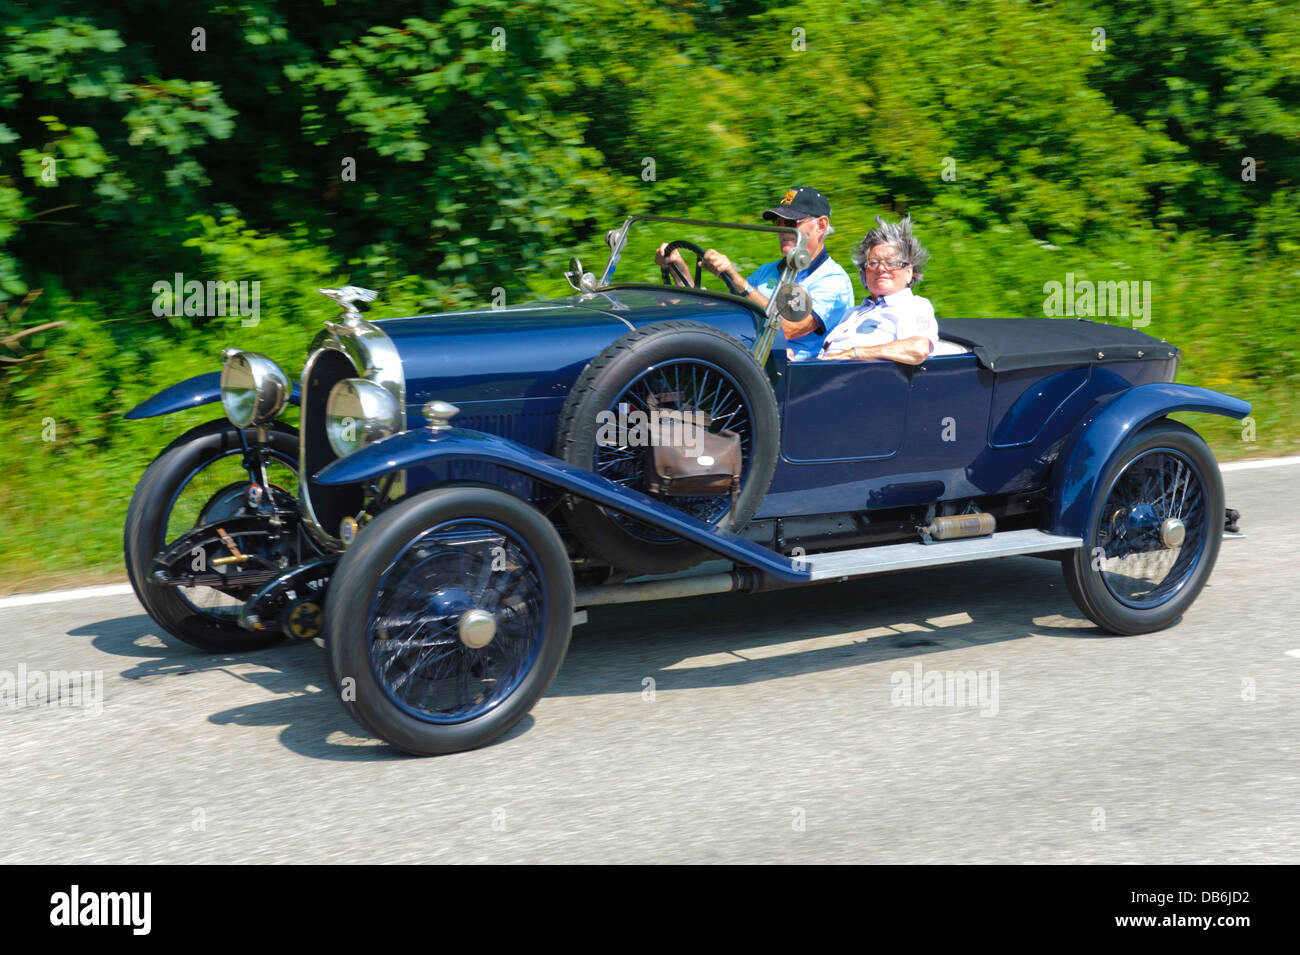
{"x":359,"y":412}
{"x":253,"y":388}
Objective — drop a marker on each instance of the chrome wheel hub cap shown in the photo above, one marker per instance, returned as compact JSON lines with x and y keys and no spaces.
{"x":477,"y":628}
{"x":1172,"y":532}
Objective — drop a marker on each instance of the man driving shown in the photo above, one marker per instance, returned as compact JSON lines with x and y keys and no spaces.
{"x":830,"y":291}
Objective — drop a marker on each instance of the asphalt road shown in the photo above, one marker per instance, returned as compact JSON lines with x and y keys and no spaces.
{"x":779,"y":729}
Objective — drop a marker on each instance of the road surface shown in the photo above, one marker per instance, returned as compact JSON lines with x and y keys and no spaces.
{"x":773,"y":727}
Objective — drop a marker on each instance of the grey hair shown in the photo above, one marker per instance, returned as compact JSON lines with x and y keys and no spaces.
{"x":899,"y":235}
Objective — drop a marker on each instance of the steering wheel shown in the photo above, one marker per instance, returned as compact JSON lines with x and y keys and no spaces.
{"x":689,"y":246}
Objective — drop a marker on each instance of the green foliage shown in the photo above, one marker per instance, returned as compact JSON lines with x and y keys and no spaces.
{"x":491,"y":140}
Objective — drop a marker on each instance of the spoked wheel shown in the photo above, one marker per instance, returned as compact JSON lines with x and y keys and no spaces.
{"x":200,"y":478}
{"x":448,"y":618}
{"x":688,"y":385}
{"x":1153,"y":532}
{"x":680,"y":366}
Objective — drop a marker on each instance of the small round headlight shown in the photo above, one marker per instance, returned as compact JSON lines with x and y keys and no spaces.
{"x":253,"y":388}
{"x":359,"y":412}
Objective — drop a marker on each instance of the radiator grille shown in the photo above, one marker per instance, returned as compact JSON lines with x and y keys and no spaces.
{"x":325,"y":504}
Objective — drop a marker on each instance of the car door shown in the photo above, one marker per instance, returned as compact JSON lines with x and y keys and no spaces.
{"x":879,"y":434}
{"x":840,"y":411}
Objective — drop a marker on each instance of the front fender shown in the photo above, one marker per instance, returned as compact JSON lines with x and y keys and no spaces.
{"x":190,"y":393}
{"x":1097,"y":437}
{"x":423,"y":446}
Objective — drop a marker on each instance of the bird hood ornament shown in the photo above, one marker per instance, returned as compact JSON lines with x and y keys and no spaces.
{"x":347,"y":297}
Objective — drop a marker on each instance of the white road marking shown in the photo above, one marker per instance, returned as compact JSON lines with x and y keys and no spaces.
{"x":121,"y":590}
{"x":1293,"y":653}
{"x":1260,"y":463}
{"x":61,"y":596}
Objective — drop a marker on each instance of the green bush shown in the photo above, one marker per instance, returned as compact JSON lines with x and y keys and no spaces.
{"x":490,"y":140}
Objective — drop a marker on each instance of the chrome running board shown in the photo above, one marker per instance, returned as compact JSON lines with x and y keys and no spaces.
{"x":882,"y":559}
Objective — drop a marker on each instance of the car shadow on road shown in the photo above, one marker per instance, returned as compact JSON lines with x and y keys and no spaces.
{"x":723,"y":640}
{"x":293,"y":674}
{"x":734,"y":639}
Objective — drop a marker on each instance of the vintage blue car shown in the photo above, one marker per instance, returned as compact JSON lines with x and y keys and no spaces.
{"x":461,"y":487}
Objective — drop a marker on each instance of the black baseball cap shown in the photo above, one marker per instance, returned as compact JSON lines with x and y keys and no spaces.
{"x":799,"y":202}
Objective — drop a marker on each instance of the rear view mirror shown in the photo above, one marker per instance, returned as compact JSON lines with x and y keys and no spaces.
{"x":579,"y":280}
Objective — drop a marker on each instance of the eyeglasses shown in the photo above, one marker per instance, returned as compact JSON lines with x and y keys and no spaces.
{"x":874,"y":264}
{"x":790,"y":223}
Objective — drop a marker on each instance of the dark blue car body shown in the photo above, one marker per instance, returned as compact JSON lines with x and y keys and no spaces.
{"x":855,"y":436}
{"x":1043,"y":436}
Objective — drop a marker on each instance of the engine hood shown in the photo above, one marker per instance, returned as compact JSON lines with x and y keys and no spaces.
{"x":538,"y":350}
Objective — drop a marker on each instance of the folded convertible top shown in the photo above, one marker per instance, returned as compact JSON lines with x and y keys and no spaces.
{"x":1008,"y":344}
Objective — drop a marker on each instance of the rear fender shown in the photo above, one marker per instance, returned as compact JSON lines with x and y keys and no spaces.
{"x":190,"y":393}
{"x":424,"y":446}
{"x":1095,"y":439}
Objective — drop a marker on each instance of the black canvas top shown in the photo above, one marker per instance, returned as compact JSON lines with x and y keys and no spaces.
{"x":1008,"y":344}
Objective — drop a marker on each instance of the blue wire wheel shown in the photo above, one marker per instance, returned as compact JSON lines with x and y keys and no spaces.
{"x":690,"y":386}
{"x":707,"y":381}
{"x":1153,"y":528}
{"x":457,"y":620}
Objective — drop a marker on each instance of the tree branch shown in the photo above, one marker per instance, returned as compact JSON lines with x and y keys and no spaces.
{"x":12,"y":340}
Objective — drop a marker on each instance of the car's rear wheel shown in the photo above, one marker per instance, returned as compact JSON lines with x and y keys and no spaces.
{"x":685,"y":366}
{"x":1152,"y":534}
{"x":448,"y":618}
{"x":200,"y":478}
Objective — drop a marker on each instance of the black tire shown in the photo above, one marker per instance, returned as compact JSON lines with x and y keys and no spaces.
{"x":415,"y":568}
{"x":168,"y":500}
{"x":1125,"y":578}
{"x":617,"y":371}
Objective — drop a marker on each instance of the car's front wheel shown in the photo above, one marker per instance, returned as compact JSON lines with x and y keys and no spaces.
{"x":1152,"y":534}
{"x":448,"y":618}
{"x":200,"y":478}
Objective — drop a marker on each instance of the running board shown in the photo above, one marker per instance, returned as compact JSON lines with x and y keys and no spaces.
{"x":838,"y":565}
{"x":881,"y":559}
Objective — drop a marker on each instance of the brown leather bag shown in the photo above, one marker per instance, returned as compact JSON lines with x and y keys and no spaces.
{"x":686,"y":459}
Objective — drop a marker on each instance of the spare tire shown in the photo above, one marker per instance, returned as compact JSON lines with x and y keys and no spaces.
{"x":687,"y":366}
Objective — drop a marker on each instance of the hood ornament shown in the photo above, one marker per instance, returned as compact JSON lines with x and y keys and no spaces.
{"x":347,"y":297}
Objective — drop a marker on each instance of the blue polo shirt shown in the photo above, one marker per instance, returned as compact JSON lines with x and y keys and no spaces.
{"x":830,"y":289}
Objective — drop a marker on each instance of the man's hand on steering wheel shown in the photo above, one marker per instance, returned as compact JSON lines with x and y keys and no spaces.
{"x":723,"y":268}
{"x":670,"y":261}
{"x":719,"y":264}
